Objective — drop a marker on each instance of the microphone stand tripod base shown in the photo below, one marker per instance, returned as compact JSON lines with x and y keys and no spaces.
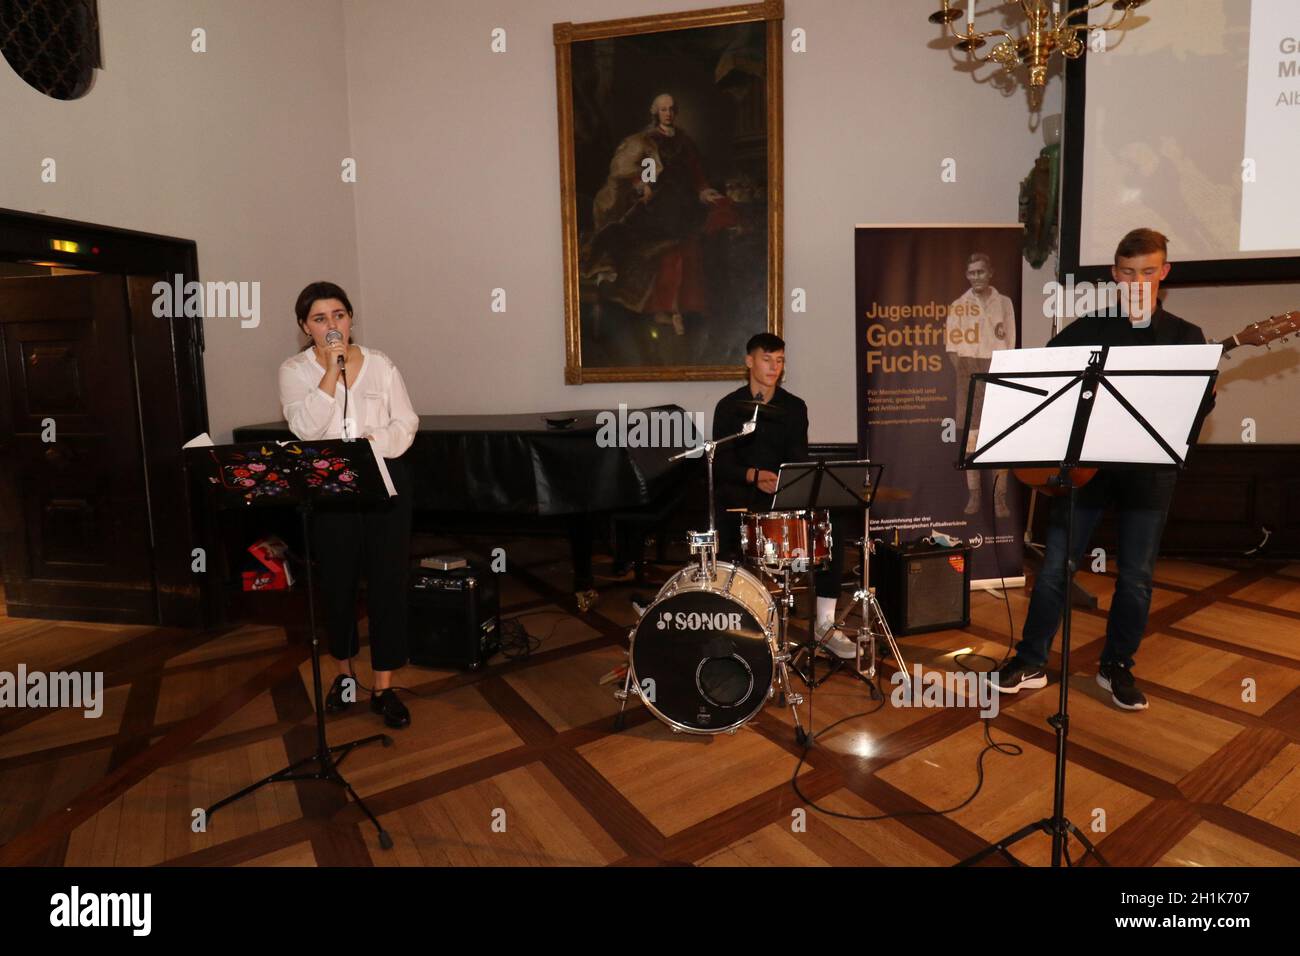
{"x":323,"y":756}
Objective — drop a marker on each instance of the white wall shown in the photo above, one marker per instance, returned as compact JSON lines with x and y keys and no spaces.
{"x":237,"y":148}
{"x":459,"y":188}
{"x":1255,"y":383}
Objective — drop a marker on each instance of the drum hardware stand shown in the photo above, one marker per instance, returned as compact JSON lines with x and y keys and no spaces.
{"x":807,"y":653}
{"x":787,"y":695}
{"x":870,"y":607}
{"x":874,"y":623}
{"x":866,"y":596}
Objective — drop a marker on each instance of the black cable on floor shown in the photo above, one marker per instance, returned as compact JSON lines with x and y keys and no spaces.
{"x":517,"y":643}
{"x":1010,"y":749}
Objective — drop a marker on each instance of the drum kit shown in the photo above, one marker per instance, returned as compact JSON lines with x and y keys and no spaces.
{"x":712,"y":648}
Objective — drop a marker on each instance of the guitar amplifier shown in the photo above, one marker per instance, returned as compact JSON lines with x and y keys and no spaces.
{"x":455,"y":617}
{"x":922,"y":587}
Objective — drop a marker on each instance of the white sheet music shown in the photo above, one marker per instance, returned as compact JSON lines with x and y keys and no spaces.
{"x":383,"y":471}
{"x":1168,"y":402}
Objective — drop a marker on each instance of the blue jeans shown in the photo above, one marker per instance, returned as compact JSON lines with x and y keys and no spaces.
{"x":1141,"y":499}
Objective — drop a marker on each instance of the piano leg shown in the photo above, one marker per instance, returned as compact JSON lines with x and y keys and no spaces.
{"x":580,"y":537}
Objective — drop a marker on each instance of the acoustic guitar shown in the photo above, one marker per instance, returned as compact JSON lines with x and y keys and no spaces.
{"x":1258,"y":333}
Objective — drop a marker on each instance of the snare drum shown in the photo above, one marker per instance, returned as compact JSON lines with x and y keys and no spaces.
{"x":702,"y":657}
{"x":777,"y":539}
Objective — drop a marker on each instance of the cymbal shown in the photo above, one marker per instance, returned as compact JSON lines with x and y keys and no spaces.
{"x":748,"y":404}
{"x":887,"y":493}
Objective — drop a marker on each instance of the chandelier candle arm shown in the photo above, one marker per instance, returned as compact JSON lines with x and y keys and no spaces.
{"x":1087,"y":8}
{"x":1050,"y":30}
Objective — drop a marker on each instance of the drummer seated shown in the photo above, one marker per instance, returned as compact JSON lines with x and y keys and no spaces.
{"x":745,"y":470}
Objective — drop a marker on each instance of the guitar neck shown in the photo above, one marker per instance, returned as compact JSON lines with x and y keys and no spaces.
{"x":1229,"y":344}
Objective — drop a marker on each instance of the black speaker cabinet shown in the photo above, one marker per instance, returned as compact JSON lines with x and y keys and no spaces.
{"x":922,"y":587}
{"x":455,"y":617}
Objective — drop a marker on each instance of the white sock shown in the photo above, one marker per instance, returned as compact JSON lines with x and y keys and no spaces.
{"x":825,"y":613}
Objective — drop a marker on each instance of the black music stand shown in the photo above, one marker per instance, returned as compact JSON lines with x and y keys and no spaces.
{"x":280,"y":474}
{"x":826,"y":484}
{"x":1110,"y":445}
{"x":812,"y":485}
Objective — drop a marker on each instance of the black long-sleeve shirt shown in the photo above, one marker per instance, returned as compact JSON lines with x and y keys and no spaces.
{"x":781,"y":436}
{"x":1165,"y":329}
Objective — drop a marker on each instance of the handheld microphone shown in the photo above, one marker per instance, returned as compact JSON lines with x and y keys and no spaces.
{"x":333,"y":337}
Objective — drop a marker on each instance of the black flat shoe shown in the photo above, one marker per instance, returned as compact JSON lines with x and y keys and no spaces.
{"x":391,"y":708}
{"x":334,"y":701}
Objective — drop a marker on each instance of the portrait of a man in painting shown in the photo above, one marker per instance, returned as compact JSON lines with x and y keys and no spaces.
{"x":672,"y":234}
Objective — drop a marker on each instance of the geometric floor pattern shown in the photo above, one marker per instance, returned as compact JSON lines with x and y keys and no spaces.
{"x":518,"y":764}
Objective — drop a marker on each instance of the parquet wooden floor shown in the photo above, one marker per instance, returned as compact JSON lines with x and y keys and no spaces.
{"x":519,"y":765}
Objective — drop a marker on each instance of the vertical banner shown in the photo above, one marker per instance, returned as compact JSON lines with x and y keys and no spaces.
{"x":933,"y":304}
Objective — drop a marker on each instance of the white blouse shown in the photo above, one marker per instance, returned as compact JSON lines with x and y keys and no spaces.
{"x":377,"y":403}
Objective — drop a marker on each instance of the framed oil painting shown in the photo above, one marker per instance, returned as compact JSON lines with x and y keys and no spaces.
{"x":670,"y":182}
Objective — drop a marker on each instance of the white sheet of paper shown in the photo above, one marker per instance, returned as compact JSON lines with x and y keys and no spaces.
{"x":1169,"y":404}
{"x":203,"y":440}
{"x":383,"y":471}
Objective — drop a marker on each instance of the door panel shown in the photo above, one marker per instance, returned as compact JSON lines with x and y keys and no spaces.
{"x":79,"y":545}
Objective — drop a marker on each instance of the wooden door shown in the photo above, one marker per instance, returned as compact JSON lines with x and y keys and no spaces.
{"x":75,"y":537}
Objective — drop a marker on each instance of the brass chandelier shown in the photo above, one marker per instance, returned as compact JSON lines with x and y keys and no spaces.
{"x":1054,"y":26}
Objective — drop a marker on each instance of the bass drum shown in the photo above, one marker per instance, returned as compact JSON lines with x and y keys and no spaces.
{"x":702,"y":657}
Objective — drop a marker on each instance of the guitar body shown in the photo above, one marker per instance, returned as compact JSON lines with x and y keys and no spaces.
{"x":1038,"y":478}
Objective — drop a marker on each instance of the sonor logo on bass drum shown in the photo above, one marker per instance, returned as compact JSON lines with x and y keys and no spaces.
{"x":694,"y":621}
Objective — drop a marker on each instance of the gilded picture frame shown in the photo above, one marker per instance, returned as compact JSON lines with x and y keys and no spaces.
{"x":670,"y":131}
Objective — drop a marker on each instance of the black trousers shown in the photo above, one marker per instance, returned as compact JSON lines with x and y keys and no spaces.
{"x":375,"y":541}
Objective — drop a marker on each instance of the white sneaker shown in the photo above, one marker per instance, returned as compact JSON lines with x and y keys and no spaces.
{"x":836,"y":643}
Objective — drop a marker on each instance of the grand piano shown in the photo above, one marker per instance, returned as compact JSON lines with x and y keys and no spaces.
{"x":530,"y":466}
